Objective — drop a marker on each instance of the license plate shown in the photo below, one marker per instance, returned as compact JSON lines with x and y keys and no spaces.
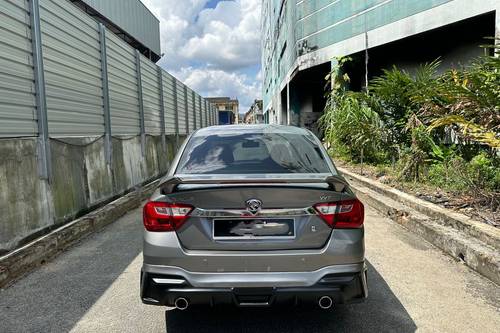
{"x":260,"y":228}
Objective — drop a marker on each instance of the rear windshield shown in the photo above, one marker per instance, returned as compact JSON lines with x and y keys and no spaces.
{"x":252,"y":153}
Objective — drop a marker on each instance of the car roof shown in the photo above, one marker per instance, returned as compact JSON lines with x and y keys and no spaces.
{"x":260,"y":128}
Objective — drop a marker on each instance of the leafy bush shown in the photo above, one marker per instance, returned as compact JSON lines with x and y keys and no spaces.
{"x":443,"y":129}
{"x":393,"y":97}
{"x":417,"y":156}
{"x":349,"y":123}
{"x":450,"y":175}
{"x":485,"y":172}
{"x":340,"y":150}
{"x":482,"y":173}
{"x":467,"y":101}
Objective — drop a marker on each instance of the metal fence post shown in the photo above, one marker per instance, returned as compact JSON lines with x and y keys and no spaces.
{"x":186,"y":109}
{"x":108,"y":144}
{"x":141,"y":102}
{"x":201,"y":111}
{"x":194,"y":110}
{"x":207,"y":114}
{"x":176,"y":114}
{"x":43,"y":143}
{"x":162,"y":110}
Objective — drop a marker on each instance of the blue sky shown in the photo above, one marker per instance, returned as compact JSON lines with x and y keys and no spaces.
{"x":212,"y":3}
{"x":212,"y":45}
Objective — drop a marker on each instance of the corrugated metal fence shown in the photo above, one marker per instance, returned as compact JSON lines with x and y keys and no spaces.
{"x":17,"y":91}
{"x":59,"y":65}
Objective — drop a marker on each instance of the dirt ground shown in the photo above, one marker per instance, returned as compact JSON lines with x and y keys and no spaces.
{"x":465,"y":203}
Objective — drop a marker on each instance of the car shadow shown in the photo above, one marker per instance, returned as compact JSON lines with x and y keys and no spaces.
{"x":382,"y":312}
{"x":56,"y":296}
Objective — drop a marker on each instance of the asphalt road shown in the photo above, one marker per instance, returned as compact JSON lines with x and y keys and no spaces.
{"x":94,"y":287}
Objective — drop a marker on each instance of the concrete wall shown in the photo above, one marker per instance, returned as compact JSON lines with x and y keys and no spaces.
{"x":82,"y":115}
{"x":26,"y":204}
{"x":82,"y":180}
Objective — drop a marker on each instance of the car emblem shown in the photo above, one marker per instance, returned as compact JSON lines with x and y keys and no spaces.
{"x":253,"y":205}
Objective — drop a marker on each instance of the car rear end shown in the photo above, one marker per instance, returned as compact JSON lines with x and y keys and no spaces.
{"x":253,"y":216}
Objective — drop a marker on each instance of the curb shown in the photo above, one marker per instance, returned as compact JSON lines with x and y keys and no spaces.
{"x":486,"y":233}
{"x":455,"y":234}
{"x":25,"y":259}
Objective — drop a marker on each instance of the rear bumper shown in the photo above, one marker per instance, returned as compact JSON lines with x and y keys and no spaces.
{"x":163,"y":249}
{"x":343,"y":283}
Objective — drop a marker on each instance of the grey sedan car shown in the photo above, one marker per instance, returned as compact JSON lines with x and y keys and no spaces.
{"x":253,"y":215}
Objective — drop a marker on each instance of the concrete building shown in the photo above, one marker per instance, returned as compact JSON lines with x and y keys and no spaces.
{"x":227,"y":109}
{"x":300,"y":39}
{"x":254,"y":115}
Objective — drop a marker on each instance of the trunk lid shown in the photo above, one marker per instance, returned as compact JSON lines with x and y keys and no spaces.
{"x":285,"y":220}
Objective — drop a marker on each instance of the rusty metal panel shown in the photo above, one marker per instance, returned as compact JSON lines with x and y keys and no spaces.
{"x":123,"y":96}
{"x":73,"y":82}
{"x":150,"y":96}
{"x":17,"y":91}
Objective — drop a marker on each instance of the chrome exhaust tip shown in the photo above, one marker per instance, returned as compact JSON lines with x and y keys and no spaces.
{"x":181,"y":303}
{"x":325,"y":302}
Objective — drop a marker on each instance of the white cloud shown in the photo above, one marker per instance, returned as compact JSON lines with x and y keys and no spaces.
{"x":226,"y":37}
{"x":259,"y":76}
{"x":216,"y":82}
{"x":177,"y":25}
{"x":230,"y":35}
{"x":211,"y":49}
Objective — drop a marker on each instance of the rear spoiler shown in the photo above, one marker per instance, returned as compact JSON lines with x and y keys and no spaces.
{"x":168,"y":185}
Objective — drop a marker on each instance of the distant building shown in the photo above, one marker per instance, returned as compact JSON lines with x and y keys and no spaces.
{"x":254,"y":114}
{"x":302,"y":39}
{"x":227,"y":109}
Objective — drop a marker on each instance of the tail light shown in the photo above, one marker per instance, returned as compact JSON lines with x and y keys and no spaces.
{"x":165,"y":216}
{"x":347,"y":214}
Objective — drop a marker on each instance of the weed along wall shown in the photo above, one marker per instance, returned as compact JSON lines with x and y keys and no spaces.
{"x":84,"y":117}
